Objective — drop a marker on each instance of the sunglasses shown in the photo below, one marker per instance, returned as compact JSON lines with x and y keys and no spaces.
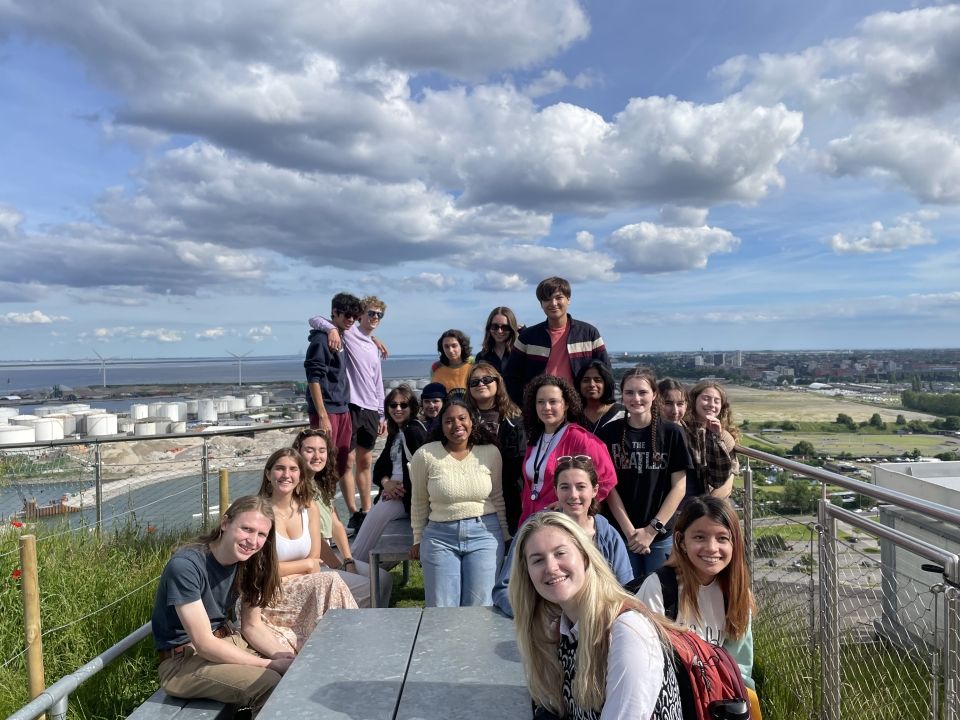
{"x":573,"y":458}
{"x":401,"y":405}
{"x":348,"y":315}
{"x":485,"y":380}
{"x":500,"y":328}
{"x":378,"y":314}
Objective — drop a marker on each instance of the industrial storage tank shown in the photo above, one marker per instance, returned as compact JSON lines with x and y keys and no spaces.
{"x":184,"y":410}
{"x":145,"y":428}
{"x":26,"y":420}
{"x":101,"y":425}
{"x":47,"y":429}
{"x":254,"y":400}
{"x":171,"y":411}
{"x":155,"y":410}
{"x":69,"y":423}
{"x":193,"y":407}
{"x":125,"y":425}
{"x":237,"y":405}
{"x":139,"y":411}
{"x":6,"y":413}
{"x":16,"y":434}
{"x":223,"y":403}
{"x":180,"y":426}
{"x":207,"y":411}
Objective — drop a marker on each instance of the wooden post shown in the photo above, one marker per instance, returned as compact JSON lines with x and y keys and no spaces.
{"x":30,"y":587}
{"x":224,"y":490}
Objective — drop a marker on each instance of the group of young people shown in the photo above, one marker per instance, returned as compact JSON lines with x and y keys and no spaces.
{"x":473,"y":469}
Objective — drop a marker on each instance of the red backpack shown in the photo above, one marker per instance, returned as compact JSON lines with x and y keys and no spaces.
{"x":711,"y":686}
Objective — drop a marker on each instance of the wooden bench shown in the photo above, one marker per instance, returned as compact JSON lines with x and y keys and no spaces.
{"x":405,"y":664}
{"x":161,"y":706}
{"x":393,"y":546}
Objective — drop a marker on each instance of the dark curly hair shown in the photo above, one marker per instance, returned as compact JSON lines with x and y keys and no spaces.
{"x":531,"y":421}
{"x":479,"y":435}
{"x":325,"y":482}
{"x":464,"y":341}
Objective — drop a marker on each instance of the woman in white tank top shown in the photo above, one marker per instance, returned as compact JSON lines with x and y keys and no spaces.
{"x":307,"y":592}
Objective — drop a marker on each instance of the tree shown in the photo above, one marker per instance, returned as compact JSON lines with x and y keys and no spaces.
{"x":901,"y":420}
{"x":844,"y":419}
{"x":804,"y":448}
{"x":877,"y":421}
{"x":951,"y":423}
{"x":799,"y":494}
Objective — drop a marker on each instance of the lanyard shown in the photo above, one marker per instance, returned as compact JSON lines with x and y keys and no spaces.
{"x":539,"y":460}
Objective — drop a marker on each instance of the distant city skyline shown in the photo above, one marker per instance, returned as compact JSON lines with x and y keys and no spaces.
{"x":741,"y":175}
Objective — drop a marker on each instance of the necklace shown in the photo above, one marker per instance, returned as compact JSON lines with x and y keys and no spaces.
{"x":539,"y":460}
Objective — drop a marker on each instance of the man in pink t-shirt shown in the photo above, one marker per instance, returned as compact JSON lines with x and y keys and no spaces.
{"x":558,"y":346}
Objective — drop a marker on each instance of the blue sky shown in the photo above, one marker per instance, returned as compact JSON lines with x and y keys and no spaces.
{"x":202,"y":177}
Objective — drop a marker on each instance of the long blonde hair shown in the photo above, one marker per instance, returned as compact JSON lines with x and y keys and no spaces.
{"x":601,"y":600}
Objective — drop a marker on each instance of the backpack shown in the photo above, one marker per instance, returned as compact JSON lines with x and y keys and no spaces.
{"x":711,"y":685}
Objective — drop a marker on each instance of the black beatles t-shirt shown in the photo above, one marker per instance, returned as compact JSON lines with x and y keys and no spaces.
{"x":643,"y":481}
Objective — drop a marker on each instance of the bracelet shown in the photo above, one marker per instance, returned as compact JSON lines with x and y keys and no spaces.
{"x":350,"y":561}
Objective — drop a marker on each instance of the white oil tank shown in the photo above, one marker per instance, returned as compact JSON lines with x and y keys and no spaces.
{"x":142,"y":429}
{"x":138,"y":411}
{"x":238,"y":405}
{"x":16,"y":434}
{"x":207,"y":411}
{"x":155,"y":409}
{"x":171,"y":411}
{"x":125,"y":426}
{"x":180,"y":426}
{"x":69,"y":423}
{"x":223,"y":404}
{"x":23,"y":420}
{"x":6,"y":413}
{"x":101,"y":425}
{"x":48,"y":428}
{"x":76,"y":407}
{"x":193,"y":407}
{"x":254,"y":400}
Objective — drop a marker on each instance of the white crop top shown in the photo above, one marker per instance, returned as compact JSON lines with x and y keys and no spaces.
{"x":298,"y":548}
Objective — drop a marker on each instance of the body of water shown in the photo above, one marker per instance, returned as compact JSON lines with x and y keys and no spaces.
{"x":26,"y":377}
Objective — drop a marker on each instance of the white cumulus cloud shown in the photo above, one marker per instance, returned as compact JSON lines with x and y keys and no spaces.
{"x":648,"y":248}
{"x":906,"y":232}
{"x":210,"y":334}
{"x":35,"y":317}
{"x":259,"y":334}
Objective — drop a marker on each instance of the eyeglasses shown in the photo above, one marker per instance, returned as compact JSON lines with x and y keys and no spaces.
{"x":485,"y":380}
{"x":378,"y":314}
{"x":573,"y":458}
{"x":346,"y":314}
{"x":497,"y":327}
{"x":401,"y":405}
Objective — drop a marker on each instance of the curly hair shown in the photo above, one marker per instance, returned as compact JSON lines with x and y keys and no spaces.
{"x":325,"y":481}
{"x":501,"y":401}
{"x":479,"y":435}
{"x":461,"y":338}
{"x":531,"y":421}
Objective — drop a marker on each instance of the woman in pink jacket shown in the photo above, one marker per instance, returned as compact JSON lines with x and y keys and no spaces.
{"x":551,"y":409}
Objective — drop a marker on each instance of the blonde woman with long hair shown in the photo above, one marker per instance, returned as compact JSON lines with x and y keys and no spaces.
{"x":590,"y":649}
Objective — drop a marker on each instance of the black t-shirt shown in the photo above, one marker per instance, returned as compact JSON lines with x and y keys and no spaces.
{"x":192,"y":574}
{"x":642,"y":480}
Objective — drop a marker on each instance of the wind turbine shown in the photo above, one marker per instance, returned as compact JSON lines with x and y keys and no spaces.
{"x":240,"y":365}
{"x":103,"y":366}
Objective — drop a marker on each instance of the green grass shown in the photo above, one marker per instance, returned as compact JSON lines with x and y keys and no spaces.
{"x":79,"y":577}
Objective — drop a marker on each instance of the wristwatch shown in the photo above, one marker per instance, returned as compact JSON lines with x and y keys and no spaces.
{"x":658,"y":526}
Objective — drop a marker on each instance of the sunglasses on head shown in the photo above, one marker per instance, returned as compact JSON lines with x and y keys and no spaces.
{"x":572,"y":458}
{"x":401,"y":405}
{"x":485,"y":380}
{"x":500,"y":328}
{"x":375,"y":314}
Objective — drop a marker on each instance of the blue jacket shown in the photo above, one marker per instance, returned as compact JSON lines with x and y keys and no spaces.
{"x":608,"y":542}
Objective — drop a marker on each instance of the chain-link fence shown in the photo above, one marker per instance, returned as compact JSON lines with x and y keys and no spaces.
{"x":849,"y":624}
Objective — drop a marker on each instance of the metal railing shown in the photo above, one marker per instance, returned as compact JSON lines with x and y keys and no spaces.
{"x":839,"y":632}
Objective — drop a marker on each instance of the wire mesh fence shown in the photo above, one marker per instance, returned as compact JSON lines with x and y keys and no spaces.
{"x":890,"y":611}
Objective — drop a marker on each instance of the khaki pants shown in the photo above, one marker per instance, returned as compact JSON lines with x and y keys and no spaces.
{"x":190,"y":676}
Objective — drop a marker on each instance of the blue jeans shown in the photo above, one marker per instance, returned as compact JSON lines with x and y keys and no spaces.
{"x":643,"y":565}
{"x":460,"y":560}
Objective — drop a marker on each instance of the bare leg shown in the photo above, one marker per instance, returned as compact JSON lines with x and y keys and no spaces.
{"x":364,"y":476}
{"x":347,"y":485}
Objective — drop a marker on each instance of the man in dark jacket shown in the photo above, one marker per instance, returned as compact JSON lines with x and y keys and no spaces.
{"x":558,"y":346}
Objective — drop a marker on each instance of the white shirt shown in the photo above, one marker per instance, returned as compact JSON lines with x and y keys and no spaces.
{"x":634,"y":667}
{"x":713,"y":616}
